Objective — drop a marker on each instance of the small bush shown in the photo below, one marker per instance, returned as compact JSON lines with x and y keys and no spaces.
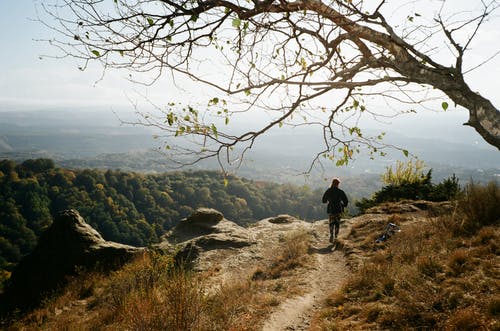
{"x":466,"y":319}
{"x":494,"y":306}
{"x":457,"y":261}
{"x":419,"y":187}
{"x":296,"y":245}
{"x":481,"y":206}
{"x":153,"y":293}
{"x":454,"y":299}
{"x":428,"y":265}
{"x":484,"y":236}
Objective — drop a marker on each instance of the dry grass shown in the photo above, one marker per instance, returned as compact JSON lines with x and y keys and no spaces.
{"x":440,"y":273}
{"x":151,"y":293}
{"x":480,"y":206}
{"x":154,"y":293}
{"x":292,"y":254}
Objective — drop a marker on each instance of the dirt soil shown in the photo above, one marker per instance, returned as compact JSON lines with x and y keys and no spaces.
{"x":305,"y":287}
{"x":328,"y":274}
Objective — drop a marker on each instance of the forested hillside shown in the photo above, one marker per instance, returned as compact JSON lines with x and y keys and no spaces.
{"x":129,"y":207}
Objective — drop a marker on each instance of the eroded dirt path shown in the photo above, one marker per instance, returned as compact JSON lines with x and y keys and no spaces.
{"x":329,"y":273}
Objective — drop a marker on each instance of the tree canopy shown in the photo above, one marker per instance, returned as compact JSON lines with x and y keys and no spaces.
{"x":131,"y":208}
{"x":301,"y":62}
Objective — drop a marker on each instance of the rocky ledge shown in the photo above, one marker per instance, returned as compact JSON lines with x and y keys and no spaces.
{"x":67,"y":246}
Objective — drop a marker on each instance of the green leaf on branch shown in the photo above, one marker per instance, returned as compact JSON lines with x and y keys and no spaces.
{"x":170,"y":118}
{"x":236,"y":22}
{"x":150,"y":21}
{"x":96,"y":53}
{"x":444,"y":105}
{"x":405,"y":152}
{"x":213,"y":101}
{"x":214,"y":130}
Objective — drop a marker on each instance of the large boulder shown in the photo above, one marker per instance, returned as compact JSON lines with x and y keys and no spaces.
{"x":67,"y":246}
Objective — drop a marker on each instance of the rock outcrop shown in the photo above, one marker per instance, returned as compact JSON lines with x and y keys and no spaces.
{"x":206,"y":229}
{"x":68,"y":245}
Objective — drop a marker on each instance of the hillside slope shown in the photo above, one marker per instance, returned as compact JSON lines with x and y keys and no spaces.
{"x":286,"y":276}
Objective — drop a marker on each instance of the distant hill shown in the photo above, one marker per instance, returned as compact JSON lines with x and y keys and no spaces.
{"x":86,"y":135}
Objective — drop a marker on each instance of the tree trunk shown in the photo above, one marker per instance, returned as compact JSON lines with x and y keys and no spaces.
{"x":483,"y":116}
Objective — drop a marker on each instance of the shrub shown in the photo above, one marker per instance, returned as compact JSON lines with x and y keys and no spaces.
{"x":413,"y":189}
{"x":405,"y":173}
{"x":494,"y":306}
{"x":153,"y":293}
{"x":480,"y":206}
{"x":457,"y":261}
{"x":428,"y":265}
{"x":465,"y":320}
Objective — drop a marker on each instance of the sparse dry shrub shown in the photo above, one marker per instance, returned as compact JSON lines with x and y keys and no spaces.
{"x":397,"y":219}
{"x":454,"y":298}
{"x":293,"y":252}
{"x":142,"y":312}
{"x":467,"y":319}
{"x":390,"y":319}
{"x":182,"y":295}
{"x":407,"y":245}
{"x":152,"y":293}
{"x":259,"y":274}
{"x":494,"y":306}
{"x":237,"y":305}
{"x":485,"y":235}
{"x":296,"y":245}
{"x":480,"y":205}
{"x":458,"y":261}
{"x":372,"y":312}
{"x":368,"y":284}
{"x":174,"y":304}
{"x":428,"y":265}
{"x":336,"y":299}
{"x":141,"y":276}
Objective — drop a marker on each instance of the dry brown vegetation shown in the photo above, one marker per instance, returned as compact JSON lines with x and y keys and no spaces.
{"x":153,"y":293}
{"x":442,"y":273}
{"x":295,"y":247}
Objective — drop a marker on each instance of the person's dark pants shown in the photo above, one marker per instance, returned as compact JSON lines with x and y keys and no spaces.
{"x":334,"y":223}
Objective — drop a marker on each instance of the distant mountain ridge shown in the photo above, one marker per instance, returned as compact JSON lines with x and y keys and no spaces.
{"x":65,"y":134}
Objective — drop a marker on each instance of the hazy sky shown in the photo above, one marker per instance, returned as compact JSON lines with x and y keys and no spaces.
{"x":26,"y":81}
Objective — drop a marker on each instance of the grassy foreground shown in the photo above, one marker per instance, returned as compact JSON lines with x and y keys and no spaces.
{"x":440,"y":274}
{"x":153,"y":293}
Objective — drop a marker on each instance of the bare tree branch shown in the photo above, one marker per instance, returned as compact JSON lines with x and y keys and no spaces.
{"x":280,"y":57}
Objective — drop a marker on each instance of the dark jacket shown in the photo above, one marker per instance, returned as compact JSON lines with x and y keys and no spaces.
{"x":337,"y":200}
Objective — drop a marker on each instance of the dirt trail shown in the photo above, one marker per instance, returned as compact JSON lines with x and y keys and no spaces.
{"x":295,"y":313}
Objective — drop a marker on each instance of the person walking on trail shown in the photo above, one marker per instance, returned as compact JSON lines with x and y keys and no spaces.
{"x":337,"y":201}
